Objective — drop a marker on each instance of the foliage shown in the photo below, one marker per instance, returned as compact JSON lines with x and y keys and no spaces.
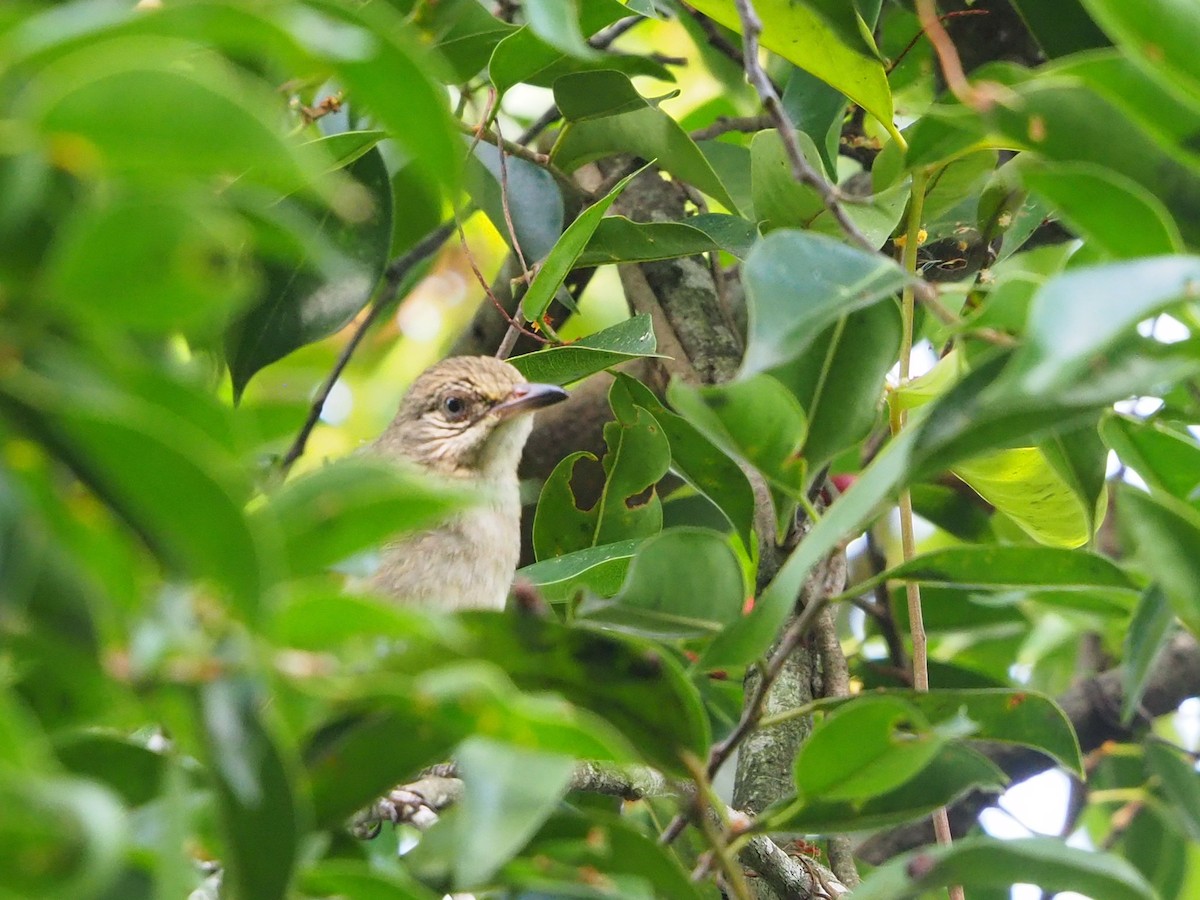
{"x":197,"y":197}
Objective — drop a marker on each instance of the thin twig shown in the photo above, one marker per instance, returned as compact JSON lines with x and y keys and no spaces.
{"x":920,"y":34}
{"x":726,"y":124}
{"x":716,"y":40}
{"x":479,"y":133}
{"x":801,"y":170}
{"x":393,"y":278}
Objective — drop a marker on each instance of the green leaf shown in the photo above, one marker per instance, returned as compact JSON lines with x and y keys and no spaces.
{"x":557,"y":23}
{"x":798,"y":284}
{"x":601,"y":570}
{"x":323,"y":618}
{"x":325,"y":516}
{"x":458,"y":690}
{"x":804,"y":38}
{"x":60,"y":837}
{"x":256,"y":799}
{"x":703,"y":465}
{"x":683,"y":583}
{"x":1145,"y":637}
{"x":182,"y":497}
{"x":123,"y":765}
{"x":782,"y":202}
{"x":619,"y":240}
{"x":305,"y":300}
{"x":561,"y":259}
{"x":1180,"y":784}
{"x":92,"y":99}
{"x":1003,"y":567}
{"x":186,"y":253}
{"x":344,"y":147}
{"x":1161,"y":35}
{"x":864,"y":749}
{"x":1062,"y":27}
{"x":630,"y":339}
{"x":629,"y":507}
{"x":1114,"y":213}
{"x":755,"y":420}
{"x":840,"y":379}
{"x":1165,"y":459}
{"x":1165,"y":534}
{"x":606,"y":115}
{"x":534,"y":202}
{"x":463,"y":32}
{"x":362,"y":880}
{"x":509,"y":793}
{"x":980,"y":862}
{"x":1015,"y":717}
{"x":1022,"y":484}
{"x":953,"y":772}
{"x":817,"y":109}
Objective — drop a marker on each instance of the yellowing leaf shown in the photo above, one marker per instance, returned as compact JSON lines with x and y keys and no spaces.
{"x":1023,"y":485}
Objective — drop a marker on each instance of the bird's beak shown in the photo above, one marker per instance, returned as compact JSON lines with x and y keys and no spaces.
{"x":528,"y":397}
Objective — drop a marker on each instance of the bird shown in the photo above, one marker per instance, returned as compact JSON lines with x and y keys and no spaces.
{"x":465,"y":419}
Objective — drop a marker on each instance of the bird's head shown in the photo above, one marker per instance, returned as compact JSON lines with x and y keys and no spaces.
{"x":467,"y":415}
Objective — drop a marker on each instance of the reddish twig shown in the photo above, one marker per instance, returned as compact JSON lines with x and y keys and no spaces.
{"x":945,"y":17}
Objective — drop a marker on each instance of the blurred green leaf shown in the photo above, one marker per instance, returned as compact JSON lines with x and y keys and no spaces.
{"x":302,"y":302}
{"x":803,"y":37}
{"x":1147,"y":633}
{"x":510,"y":792}
{"x":327,"y":515}
{"x":125,"y":766}
{"x":184,"y":249}
{"x":630,"y":339}
{"x":1166,"y":459}
{"x":1165,"y":535}
{"x":1114,"y":213}
{"x":682,"y":583}
{"x":557,"y":23}
{"x":606,"y":116}
{"x":797,"y":284}
{"x":1160,"y":34}
{"x":346,"y":146}
{"x":255,"y":790}
{"x":954,"y":770}
{"x":360,"y":879}
{"x":1180,"y":783}
{"x":59,"y":838}
{"x":1061,"y":27}
{"x":628,"y":507}
{"x":600,"y":570}
{"x":864,"y":749}
{"x":983,"y":862}
{"x":566,"y":251}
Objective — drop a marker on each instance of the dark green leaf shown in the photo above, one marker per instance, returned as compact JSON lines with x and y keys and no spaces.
{"x":130,"y":768}
{"x":981,"y":862}
{"x":618,"y":240}
{"x":305,"y":300}
{"x":361,"y":880}
{"x":564,"y":364}
{"x":798,"y":284}
{"x":683,"y":583}
{"x":1166,"y":460}
{"x":255,"y":793}
{"x":1061,"y":27}
{"x":816,"y":109}
{"x":1180,"y":784}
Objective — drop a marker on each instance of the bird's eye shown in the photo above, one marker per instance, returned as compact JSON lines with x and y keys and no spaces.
{"x":455,"y":407}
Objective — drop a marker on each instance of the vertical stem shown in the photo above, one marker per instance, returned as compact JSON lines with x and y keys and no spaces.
{"x":920,"y":643}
